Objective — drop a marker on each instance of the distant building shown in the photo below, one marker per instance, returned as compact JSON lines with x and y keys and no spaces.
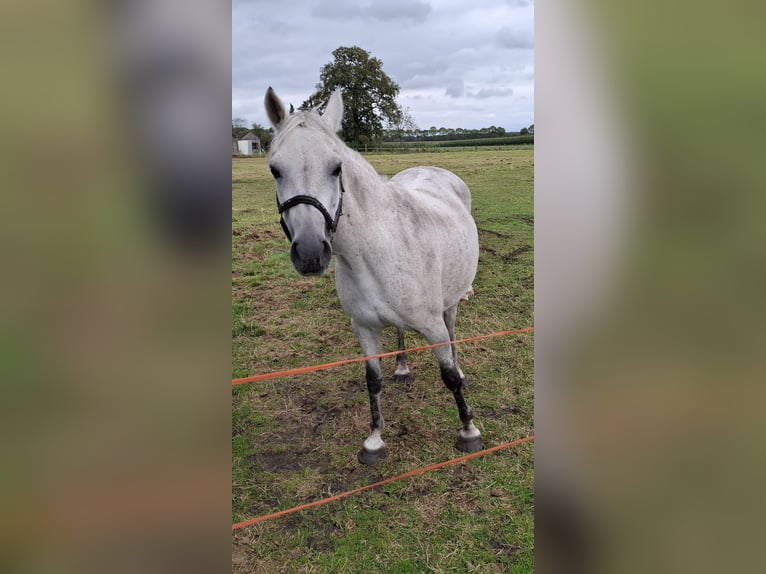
{"x":249,"y":144}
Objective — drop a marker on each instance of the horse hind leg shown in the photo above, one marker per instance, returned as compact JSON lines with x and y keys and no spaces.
{"x":373,"y":449}
{"x":402,"y":373}
{"x":469,"y":437}
{"x":449,"y":319}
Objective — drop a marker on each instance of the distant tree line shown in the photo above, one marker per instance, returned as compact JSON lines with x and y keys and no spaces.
{"x":434,"y":134}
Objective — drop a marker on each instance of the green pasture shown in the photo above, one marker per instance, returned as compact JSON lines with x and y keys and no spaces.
{"x":294,"y":439}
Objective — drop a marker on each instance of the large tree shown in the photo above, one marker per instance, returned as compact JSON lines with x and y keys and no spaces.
{"x":369,"y":95}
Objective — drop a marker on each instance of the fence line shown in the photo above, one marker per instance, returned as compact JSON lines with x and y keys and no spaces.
{"x":301,"y":370}
{"x":409,"y":474}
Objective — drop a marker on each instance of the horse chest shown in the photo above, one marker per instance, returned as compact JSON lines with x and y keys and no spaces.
{"x":375,"y":298}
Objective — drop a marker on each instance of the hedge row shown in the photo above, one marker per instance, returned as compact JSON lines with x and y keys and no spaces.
{"x":502,"y":140}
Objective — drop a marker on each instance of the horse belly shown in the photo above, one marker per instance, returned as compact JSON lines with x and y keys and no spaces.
{"x":440,"y":236}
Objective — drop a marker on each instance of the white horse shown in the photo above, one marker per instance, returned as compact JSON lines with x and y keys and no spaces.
{"x":406,"y":248}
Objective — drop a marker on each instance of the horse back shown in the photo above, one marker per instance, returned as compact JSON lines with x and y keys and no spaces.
{"x":440,"y":184}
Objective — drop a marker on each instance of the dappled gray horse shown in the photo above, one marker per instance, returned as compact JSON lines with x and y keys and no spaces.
{"x":406,"y":248}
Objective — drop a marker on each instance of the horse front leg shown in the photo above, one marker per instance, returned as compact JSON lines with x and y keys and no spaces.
{"x":373,"y":449}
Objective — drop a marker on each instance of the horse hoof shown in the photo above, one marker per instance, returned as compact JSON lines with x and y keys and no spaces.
{"x":371,"y":457}
{"x":469,"y":444}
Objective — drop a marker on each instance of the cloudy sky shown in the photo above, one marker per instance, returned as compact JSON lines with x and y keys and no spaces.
{"x":459,"y":63}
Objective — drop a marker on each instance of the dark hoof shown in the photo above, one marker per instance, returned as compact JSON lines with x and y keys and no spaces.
{"x":469,"y":444}
{"x":371,"y":457}
{"x":403,"y":379}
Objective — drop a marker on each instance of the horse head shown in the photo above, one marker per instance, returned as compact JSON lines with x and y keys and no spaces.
{"x":305,"y":160}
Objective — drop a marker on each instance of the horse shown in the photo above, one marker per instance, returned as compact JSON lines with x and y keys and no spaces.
{"x":406,"y":248}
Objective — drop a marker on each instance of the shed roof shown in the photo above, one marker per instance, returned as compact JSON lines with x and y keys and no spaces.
{"x":250,"y":136}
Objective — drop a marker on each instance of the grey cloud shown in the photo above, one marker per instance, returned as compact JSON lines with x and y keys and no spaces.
{"x":519,"y":3}
{"x":491,"y":93}
{"x":419,"y":82}
{"x":336,"y":9}
{"x":514,"y":39}
{"x":455,"y":89}
{"x":415,"y":11}
{"x":415,"y":72}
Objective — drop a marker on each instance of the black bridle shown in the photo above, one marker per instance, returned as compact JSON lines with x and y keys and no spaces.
{"x":332,"y":223}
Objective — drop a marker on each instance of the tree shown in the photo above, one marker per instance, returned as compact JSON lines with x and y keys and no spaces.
{"x":369,"y":95}
{"x":400,"y":126}
{"x":238,"y":122}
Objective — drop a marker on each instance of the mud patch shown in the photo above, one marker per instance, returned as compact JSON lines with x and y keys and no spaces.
{"x":495,"y":233}
{"x":528,"y":219}
{"x":283,"y":461}
{"x":326,"y":417}
{"x":527,"y":282}
{"x":508,"y":257}
{"x":513,"y":255}
{"x":503,"y":548}
{"x":259,"y":234}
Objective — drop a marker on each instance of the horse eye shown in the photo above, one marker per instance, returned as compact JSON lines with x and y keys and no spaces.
{"x":275,"y":172}
{"x":336,"y":171}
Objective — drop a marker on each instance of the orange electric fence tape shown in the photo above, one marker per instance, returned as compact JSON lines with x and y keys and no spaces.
{"x":381,"y":483}
{"x":300,"y":370}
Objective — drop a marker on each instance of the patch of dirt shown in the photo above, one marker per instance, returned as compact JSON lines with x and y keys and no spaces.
{"x":283,"y":461}
{"x":528,"y":219}
{"x":326,"y":417}
{"x":509,"y":257}
{"x":528,"y":282}
{"x":503,"y":548}
{"x":257,"y":234}
{"x":495,"y":233}
{"x":513,"y":255}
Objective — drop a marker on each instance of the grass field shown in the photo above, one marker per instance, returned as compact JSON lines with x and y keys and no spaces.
{"x":295,"y":439}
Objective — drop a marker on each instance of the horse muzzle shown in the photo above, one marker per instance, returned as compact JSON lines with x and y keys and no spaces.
{"x":311,"y":255}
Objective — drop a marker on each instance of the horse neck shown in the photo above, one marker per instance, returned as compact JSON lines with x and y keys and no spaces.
{"x":363,"y":196}
{"x":364,"y":186}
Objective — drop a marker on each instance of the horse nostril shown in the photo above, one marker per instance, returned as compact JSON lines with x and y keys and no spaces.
{"x":311,"y":257}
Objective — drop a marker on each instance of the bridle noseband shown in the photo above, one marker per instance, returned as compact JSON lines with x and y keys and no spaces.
{"x":332,"y":223}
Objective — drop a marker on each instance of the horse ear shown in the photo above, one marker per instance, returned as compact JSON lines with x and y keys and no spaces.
{"x":275,"y":109}
{"x":333,"y":113}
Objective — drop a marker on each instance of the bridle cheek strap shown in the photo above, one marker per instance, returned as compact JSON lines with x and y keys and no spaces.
{"x":332,"y":223}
